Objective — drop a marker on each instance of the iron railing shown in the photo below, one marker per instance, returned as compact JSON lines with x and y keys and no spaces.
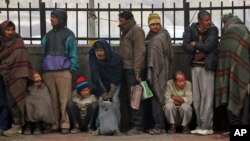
{"x":186,"y":12}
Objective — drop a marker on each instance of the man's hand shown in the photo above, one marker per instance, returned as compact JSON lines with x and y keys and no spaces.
{"x":177,"y":100}
{"x":193,"y":43}
{"x":137,"y":77}
{"x":104,"y":96}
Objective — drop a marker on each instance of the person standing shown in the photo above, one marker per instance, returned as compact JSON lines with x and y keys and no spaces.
{"x":59,"y":60}
{"x":132,"y":51}
{"x":200,"y":41}
{"x":232,"y":75}
{"x":159,"y":52}
{"x":16,"y":70}
{"x":178,"y":100}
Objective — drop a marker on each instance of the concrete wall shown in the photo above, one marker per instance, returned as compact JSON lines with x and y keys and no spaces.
{"x":180,"y":60}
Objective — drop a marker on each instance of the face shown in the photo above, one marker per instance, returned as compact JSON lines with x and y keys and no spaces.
{"x":9,"y":32}
{"x":54,"y":20}
{"x":205,"y":22}
{"x":180,"y":81}
{"x":100,"y":53}
{"x":122,"y":21}
{"x":155,"y":27}
{"x":85,"y":91}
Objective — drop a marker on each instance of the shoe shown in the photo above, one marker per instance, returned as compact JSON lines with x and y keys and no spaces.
{"x":1,"y":132}
{"x":96,"y":132}
{"x":27,"y":131}
{"x":134,"y":131}
{"x":37,"y":131}
{"x":196,"y":131}
{"x":64,"y":130}
{"x":13,"y":131}
{"x":185,"y":130}
{"x":171,"y":130}
{"x":156,"y":131}
{"x":75,"y":130}
{"x":226,"y":134}
{"x":205,"y":132}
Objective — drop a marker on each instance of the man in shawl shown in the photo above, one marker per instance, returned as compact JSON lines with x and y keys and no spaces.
{"x":132,"y":51}
{"x":232,"y":76}
{"x":200,"y":41}
{"x":106,"y":73}
{"x":159,"y":52}
{"x":16,"y":71}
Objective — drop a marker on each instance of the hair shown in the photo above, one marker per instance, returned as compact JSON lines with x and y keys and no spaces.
{"x":98,"y":45}
{"x":177,"y":73}
{"x":126,"y":15}
{"x":203,"y":13}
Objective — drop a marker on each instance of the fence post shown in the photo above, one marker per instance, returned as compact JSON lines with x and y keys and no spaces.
{"x":186,"y":14}
{"x":91,"y":22}
{"x":42,"y":19}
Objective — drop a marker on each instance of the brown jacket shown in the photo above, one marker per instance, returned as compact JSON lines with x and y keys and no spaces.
{"x":132,"y":47}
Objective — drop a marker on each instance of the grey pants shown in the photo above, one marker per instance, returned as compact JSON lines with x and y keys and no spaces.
{"x":179,"y":115}
{"x":203,"y":96}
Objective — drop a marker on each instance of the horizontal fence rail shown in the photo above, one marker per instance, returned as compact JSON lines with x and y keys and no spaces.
{"x":90,"y":23}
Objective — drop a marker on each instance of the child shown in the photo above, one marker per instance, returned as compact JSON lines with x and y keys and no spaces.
{"x":82,"y":107}
{"x":38,"y":106}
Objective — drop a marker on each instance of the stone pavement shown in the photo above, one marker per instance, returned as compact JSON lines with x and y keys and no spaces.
{"x":89,"y":137}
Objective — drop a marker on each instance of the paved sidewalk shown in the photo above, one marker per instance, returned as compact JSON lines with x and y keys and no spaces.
{"x":89,"y":137}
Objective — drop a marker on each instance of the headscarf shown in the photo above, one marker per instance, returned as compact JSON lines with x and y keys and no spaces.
{"x":110,"y":67}
{"x":3,"y":38}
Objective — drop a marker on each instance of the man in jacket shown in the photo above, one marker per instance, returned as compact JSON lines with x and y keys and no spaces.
{"x":132,"y":51}
{"x":59,"y":60}
{"x":200,"y":42}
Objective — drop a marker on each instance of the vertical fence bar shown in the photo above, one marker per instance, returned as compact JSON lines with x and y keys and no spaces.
{"x":30,"y":20}
{"x":174,"y":20}
{"x":42,"y":19}
{"x":77,"y":21}
{"x":87,"y":13}
{"x":162,"y":13}
{"x":66,"y":9}
{"x":232,"y":7}
{"x":18,"y":15}
{"x":118,"y":21}
{"x":8,"y":15}
{"x":186,"y":14}
{"x":152,"y":8}
{"x":141,"y":15}
{"x":221,"y":14}
{"x":98,"y":14}
{"x":109,"y":21}
{"x":244,"y":12}
{"x":210,"y":8}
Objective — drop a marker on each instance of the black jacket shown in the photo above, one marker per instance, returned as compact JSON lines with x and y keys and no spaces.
{"x":207,"y":46}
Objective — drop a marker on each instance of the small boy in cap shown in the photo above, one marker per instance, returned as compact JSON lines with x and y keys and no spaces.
{"x":82,"y":107}
{"x":38,"y":106}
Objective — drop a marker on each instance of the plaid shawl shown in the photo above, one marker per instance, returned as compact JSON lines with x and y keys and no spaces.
{"x":232,"y":76}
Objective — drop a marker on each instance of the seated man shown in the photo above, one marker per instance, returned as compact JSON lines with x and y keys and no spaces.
{"x":178,"y":100}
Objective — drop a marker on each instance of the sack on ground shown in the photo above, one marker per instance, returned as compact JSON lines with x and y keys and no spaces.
{"x":147,"y":93}
{"x":136,"y":92}
{"x":107,"y":117}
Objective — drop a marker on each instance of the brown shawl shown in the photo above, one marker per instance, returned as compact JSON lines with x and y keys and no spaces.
{"x":159,"y":61}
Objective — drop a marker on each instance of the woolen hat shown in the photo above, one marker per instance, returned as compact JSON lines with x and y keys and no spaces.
{"x":154,"y":18}
{"x":81,"y":83}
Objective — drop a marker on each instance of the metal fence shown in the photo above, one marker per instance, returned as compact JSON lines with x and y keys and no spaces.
{"x":104,"y":20}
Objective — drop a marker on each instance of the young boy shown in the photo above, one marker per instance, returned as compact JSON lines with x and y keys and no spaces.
{"x":82,"y":107}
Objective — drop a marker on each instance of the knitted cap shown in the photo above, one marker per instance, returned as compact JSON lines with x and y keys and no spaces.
{"x":154,"y":18}
{"x":36,"y":76}
{"x":81,"y":83}
{"x":226,"y":17}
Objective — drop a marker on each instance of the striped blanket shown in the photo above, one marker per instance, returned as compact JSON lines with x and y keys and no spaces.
{"x":233,"y":72}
